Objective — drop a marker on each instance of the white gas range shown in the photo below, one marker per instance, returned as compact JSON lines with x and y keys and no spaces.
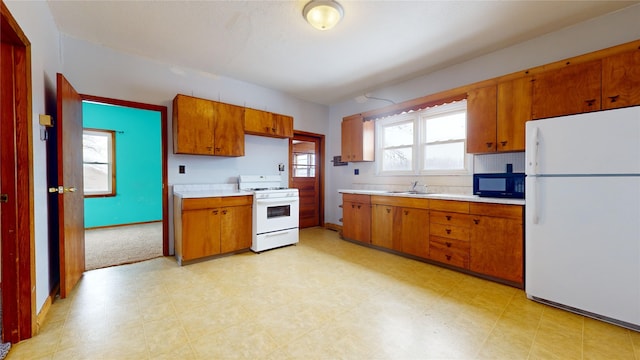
{"x":275,"y":211}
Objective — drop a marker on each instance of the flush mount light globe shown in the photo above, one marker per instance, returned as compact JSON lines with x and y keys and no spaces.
{"x":323,"y":14}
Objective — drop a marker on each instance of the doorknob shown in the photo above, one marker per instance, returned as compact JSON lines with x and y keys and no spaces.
{"x":62,"y":189}
{"x":4,"y":198}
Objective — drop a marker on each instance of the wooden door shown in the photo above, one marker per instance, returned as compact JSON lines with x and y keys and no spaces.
{"x":201,"y":233}
{"x":229,"y":130}
{"x":382,"y":225}
{"x":572,"y":89}
{"x":414,"y":231}
{"x":482,"y":120}
{"x":193,"y":125}
{"x":16,"y":212}
{"x":496,"y":247}
{"x":70,"y":185}
{"x":514,"y":110}
{"x":306,"y":159}
{"x":621,"y":80}
{"x":235,"y":228}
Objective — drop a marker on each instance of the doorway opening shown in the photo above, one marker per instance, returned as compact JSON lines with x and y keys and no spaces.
{"x":306,"y":159}
{"x":124,"y":166}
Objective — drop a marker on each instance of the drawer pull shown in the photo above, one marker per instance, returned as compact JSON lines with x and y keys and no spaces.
{"x":448,"y":231}
{"x":215,"y":212}
{"x":359,"y":206}
{"x":590,"y":102}
{"x":224,"y":212}
{"x":388,"y":210}
{"x":614,"y":98}
{"x":448,"y":257}
{"x":448,"y":217}
{"x":476,"y":221}
{"x":489,"y":145}
{"x":503,"y":143}
{"x":406,"y":212}
{"x":448,"y":244}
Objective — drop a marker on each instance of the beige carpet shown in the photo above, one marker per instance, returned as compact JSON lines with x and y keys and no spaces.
{"x":122,"y":245}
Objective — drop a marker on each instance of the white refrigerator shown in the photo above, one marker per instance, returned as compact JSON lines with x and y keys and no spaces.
{"x":582,"y":221}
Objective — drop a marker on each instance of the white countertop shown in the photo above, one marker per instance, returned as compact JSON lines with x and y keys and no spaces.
{"x":210,"y":193}
{"x":458,"y":197}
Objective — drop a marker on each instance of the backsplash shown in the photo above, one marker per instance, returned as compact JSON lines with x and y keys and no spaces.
{"x":497,"y":163}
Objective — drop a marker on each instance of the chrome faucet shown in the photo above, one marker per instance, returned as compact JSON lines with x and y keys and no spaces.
{"x":413,"y":185}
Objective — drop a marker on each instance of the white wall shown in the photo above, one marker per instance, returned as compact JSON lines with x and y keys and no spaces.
{"x":37,"y":23}
{"x":606,"y":31}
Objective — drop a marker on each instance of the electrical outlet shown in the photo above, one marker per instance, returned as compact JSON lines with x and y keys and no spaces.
{"x":280,"y":167}
{"x":356,"y":171}
{"x":181,"y":169}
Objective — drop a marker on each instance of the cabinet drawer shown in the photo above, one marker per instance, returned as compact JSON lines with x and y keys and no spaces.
{"x":237,"y":200}
{"x":409,"y":202}
{"x":357,"y":198}
{"x":449,"y":205}
{"x":497,"y":210}
{"x":439,"y":250}
{"x":449,"y":231}
{"x":450,"y":218}
{"x":201,"y":203}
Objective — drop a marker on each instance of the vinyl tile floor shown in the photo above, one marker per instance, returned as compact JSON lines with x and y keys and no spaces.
{"x":322,"y":299}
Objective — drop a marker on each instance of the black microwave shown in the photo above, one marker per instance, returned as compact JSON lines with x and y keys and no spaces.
{"x":503,"y":185}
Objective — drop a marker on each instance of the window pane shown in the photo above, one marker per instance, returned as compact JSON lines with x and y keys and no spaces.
{"x":95,"y":148}
{"x":96,"y":178}
{"x":398,"y":134}
{"x":397,"y":159}
{"x":448,"y":156}
{"x":450,"y":126}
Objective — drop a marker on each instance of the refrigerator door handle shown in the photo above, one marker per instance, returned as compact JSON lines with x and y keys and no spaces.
{"x":536,"y":201}
{"x":533,"y":159}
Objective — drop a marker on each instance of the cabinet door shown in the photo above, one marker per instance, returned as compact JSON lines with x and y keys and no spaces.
{"x":357,"y":139}
{"x":283,"y":126}
{"x":193,"y":126}
{"x":257,"y":122}
{"x":356,"y":221}
{"x":514,"y":110}
{"x":235,"y":228}
{"x":573,"y":89}
{"x":496,"y":247}
{"x":482,"y":120}
{"x":382,"y":225}
{"x":229,"y":130}
{"x":621,"y":80}
{"x":414,"y":231}
{"x":201,"y":233}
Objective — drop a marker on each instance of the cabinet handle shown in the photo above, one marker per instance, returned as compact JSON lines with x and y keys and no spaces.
{"x":224,"y":212}
{"x":218,"y":149}
{"x":215,"y":212}
{"x":448,"y":231}
{"x":489,"y":145}
{"x":406,"y":212}
{"x":503,"y":143}
{"x":273,"y":129}
{"x":476,"y":221}
{"x":614,"y":98}
{"x":209,"y":147}
{"x":448,"y":257}
{"x":448,"y":217}
{"x":359,"y":206}
{"x":388,"y":210}
{"x":590,"y":102}
{"x":353,"y":206}
{"x":448,"y":244}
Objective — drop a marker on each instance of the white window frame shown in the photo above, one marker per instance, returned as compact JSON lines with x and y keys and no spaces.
{"x":111,"y":166}
{"x":419,"y":142}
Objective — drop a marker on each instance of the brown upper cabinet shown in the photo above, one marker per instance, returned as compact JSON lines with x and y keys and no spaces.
{"x":357,"y":139}
{"x":264,"y":123}
{"x":205,"y":127}
{"x":621,"y":80}
{"x":496,"y":116}
{"x":572,"y":89}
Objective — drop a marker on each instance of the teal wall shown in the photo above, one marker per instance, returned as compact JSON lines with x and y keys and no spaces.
{"x":138,"y":166}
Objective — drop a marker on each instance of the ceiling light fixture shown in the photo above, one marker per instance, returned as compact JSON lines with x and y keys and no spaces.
{"x":323,"y":14}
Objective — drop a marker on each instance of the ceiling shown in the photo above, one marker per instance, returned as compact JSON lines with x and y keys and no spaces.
{"x":268,"y":43}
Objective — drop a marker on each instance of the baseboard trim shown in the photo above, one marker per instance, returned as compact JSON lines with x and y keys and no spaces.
{"x":119,"y":225}
{"x":334,"y":227}
{"x":42,"y":315}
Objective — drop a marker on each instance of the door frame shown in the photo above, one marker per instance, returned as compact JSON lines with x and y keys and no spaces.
{"x":18,"y":277}
{"x":163,"y":126}
{"x":319,"y":162}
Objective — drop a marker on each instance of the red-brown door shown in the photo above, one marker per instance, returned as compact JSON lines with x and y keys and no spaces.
{"x":70,"y":186}
{"x":306,"y":176}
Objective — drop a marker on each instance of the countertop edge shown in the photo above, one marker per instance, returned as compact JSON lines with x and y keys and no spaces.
{"x":210,"y":193}
{"x":454,"y":197}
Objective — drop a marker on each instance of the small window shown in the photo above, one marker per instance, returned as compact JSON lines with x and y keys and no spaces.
{"x":304,"y":159}
{"x":98,"y":153}
{"x":397,"y":138}
{"x":444,"y":144}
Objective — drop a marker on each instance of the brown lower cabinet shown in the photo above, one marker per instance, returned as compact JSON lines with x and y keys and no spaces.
{"x":211,"y":226}
{"x":481,"y":238}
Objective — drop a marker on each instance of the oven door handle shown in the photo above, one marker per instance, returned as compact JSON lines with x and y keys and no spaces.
{"x":277,"y":200}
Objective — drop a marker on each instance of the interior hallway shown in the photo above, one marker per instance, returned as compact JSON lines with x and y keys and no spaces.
{"x":322,"y":299}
